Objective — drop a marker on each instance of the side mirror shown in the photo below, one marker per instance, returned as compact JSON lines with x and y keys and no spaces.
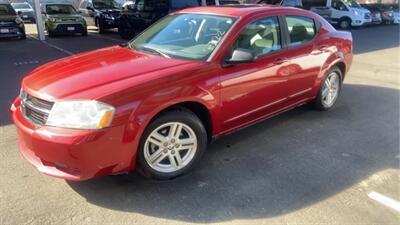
{"x":90,"y":8}
{"x":19,"y":12}
{"x":241,"y":55}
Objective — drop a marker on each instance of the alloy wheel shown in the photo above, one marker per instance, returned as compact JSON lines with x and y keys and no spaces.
{"x":330,"y":90}
{"x":170,"y":147}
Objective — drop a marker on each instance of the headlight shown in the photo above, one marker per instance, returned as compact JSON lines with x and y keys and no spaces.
{"x":52,"y":19}
{"x":81,"y":115}
{"x":109,"y":17}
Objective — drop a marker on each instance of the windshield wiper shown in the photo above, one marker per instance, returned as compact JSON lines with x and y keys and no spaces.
{"x":158,"y":52}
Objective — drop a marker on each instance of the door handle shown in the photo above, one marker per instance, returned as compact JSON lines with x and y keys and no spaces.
{"x":279,"y":61}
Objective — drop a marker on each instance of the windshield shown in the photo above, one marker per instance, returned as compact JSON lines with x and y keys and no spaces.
{"x":186,"y":36}
{"x":21,"y":6}
{"x":352,"y":3}
{"x":60,"y":9}
{"x":105,"y":4}
{"x":6,"y":9}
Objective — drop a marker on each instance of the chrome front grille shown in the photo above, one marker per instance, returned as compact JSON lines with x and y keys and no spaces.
{"x":35,"y":110}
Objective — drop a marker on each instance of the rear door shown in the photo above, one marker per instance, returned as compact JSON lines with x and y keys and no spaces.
{"x":305,"y":59}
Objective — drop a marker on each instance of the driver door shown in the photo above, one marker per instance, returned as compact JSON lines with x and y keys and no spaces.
{"x":250,"y":91}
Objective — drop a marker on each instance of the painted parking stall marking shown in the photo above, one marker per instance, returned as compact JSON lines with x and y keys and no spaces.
{"x":391,"y":203}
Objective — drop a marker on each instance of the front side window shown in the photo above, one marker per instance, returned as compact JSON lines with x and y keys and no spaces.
{"x":60,"y":9}
{"x":6,"y":9}
{"x":338,"y":5}
{"x":301,"y":29}
{"x":186,"y":36}
{"x":140,"y":5}
{"x":260,"y":37}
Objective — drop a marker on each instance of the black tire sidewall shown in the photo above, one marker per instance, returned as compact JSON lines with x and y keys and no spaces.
{"x":185,"y":117}
{"x":348,"y":24}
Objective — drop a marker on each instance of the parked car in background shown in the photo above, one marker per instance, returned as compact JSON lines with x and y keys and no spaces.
{"x":290,"y":3}
{"x":344,"y":13}
{"x":387,"y":13}
{"x":63,"y":19}
{"x":104,"y":14}
{"x":11,"y":25}
{"x":375,"y":13}
{"x":396,"y":14}
{"x":25,"y":11}
{"x":139,"y":15}
{"x":155,"y":103}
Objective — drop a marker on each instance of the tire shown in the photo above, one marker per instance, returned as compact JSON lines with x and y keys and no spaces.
{"x":171,"y":148}
{"x":321,"y":103}
{"x":345,"y":23}
{"x":84,"y":33}
{"x":23,"y":37}
{"x":100,"y":27}
{"x":51,"y":34}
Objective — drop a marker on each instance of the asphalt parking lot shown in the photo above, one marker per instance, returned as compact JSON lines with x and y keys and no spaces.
{"x":302,"y":167}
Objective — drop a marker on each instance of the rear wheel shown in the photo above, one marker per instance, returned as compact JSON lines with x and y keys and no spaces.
{"x":171,"y":145}
{"x":330,"y":90}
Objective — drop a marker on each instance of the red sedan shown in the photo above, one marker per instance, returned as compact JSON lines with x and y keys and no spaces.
{"x":155,"y":103}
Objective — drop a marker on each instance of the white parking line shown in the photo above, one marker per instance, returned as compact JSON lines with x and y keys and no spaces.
{"x":385,"y":200}
{"x":107,"y":38}
{"x":58,"y":48}
{"x":53,"y":46}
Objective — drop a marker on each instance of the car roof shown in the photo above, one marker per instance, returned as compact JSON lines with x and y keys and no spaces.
{"x":238,"y":10}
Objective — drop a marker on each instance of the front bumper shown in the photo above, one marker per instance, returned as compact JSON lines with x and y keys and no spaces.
{"x":73,"y":154}
{"x":67,"y":28}
{"x":361,"y":22}
{"x":13,"y":31}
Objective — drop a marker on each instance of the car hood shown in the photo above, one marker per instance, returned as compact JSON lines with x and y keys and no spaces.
{"x":24,"y":10}
{"x":110,"y":10}
{"x":361,"y":10}
{"x":65,"y":16}
{"x":68,"y":78}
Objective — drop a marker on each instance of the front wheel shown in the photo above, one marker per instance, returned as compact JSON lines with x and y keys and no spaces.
{"x":330,"y":90}
{"x":171,"y":145}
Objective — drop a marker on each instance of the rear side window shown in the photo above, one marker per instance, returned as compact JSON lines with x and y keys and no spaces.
{"x":301,"y":29}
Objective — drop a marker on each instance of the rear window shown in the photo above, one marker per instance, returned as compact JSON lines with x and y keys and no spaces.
{"x":6,"y":9}
{"x":180,"y":4}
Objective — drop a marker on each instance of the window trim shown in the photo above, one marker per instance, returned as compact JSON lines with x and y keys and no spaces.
{"x":287,"y":36}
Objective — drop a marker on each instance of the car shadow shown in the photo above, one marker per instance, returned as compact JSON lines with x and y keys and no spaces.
{"x":277,"y":166}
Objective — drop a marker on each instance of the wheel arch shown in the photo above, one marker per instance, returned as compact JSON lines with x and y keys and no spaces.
{"x":195,"y":107}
